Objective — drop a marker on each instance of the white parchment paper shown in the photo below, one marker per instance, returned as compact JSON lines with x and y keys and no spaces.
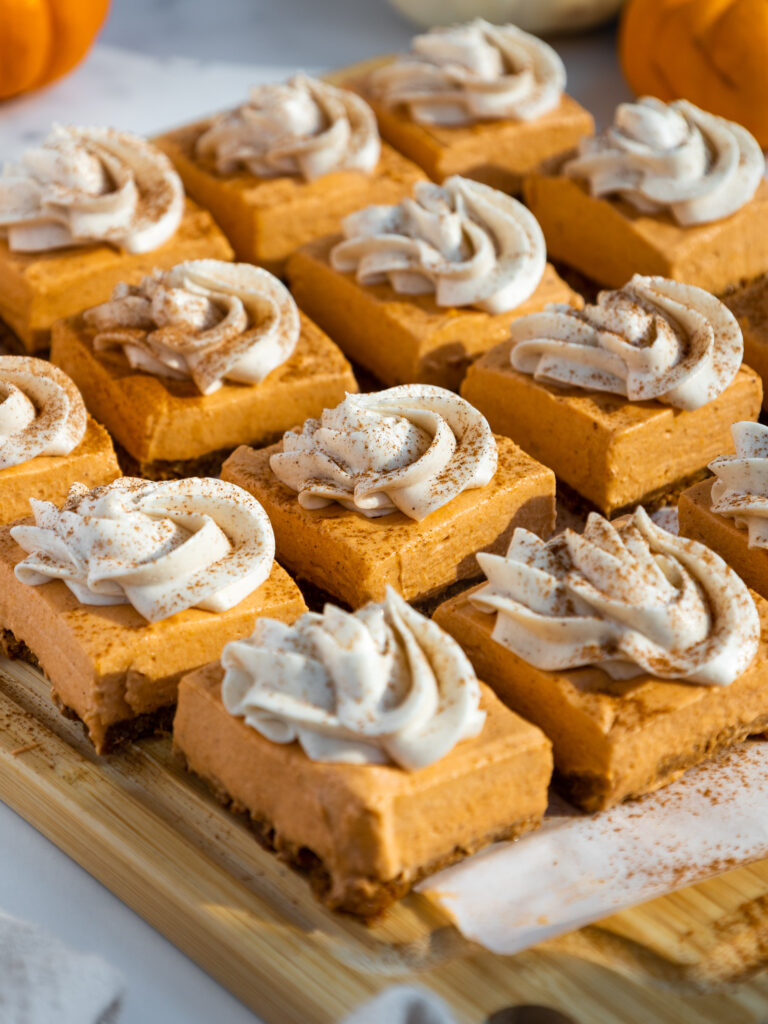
{"x":579,"y":868}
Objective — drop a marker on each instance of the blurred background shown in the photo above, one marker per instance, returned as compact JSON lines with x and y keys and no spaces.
{"x":315,"y":33}
{"x":159,"y":63}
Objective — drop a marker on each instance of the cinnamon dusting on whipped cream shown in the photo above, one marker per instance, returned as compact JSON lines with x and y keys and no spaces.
{"x":741,"y":488}
{"x":672,"y":158}
{"x":625,"y":596}
{"x":411,"y":448}
{"x":301,"y":127}
{"x":472,"y":72}
{"x":381,"y":685}
{"x":41,"y":411}
{"x":204,"y":320}
{"x":87,"y":185}
{"x":161,"y":547}
{"x":469,"y":244}
{"x":652,"y":339}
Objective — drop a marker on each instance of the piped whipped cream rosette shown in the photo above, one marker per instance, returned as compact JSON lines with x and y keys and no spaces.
{"x":301,"y":127}
{"x":204,"y":320}
{"x":652,"y":339}
{"x":86,"y":185}
{"x":672,"y":157}
{"x":41,"y":411}
{"x":741,"y":488}
{"x":473,"y":72}
{"x":383,"y":684}
{"x":469,"y":244}
{"x":411,"y":448}
{"x":161,"y":547}
{"x":625,"y":596}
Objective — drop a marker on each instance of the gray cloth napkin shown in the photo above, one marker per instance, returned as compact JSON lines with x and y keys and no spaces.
{"x":42,"y":981}
{"x":402,"y":1004}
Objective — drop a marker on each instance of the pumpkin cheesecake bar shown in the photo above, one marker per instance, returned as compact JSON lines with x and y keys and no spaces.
{"x":86,"y":210}
{"x":286,"y":166}
{"x":336,"y":768}
{"x":47,"y":439}
{"x":127,"y":587}
{"x":416,"y":292}
{"x":398,"y":487}
{"x":638,"y":653}
{"x":730,"y":512}
{"x":485,"y":101}
{"x":668,"y":190}
{"x":194,"y":361}
{"x":626,"y":400}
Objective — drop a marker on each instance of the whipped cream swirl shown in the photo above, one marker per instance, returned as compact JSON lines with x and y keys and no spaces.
{"x":381,"y":685}
{"x":626,"y":596}
{"x":651,"y":339}
{"x":302,"y":127}
{"x":469,"y":244}
{"x":204,"y":319}
{"x":41,"y":411}
{"x":741,"y":488}
{"x":86,"y":185}
{"x":672,"y":157}
{"x":414,"y":448}
{"x":161,"y":547}
{"x":473,"y":72}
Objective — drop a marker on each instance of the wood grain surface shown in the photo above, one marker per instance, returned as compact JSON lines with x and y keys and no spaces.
{"x":151,"y":833}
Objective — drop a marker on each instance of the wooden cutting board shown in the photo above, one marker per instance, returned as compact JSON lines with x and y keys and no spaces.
{"x":151,"y":833}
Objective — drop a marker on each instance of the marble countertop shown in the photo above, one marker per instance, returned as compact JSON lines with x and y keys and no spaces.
{"x":159,"y":63}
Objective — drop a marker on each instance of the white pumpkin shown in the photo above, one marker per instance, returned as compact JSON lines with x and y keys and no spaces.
{"x":537,"y":16}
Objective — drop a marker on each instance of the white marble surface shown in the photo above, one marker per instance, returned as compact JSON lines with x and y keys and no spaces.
{"x":204,"y":55}
{"x":39,"y":883}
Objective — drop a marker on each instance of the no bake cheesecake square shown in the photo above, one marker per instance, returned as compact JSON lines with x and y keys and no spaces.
{"x":353,"y":557}
{"x":167,"y":428}
{"x":614,"y":740}
{"x":107,"y":665}
{"x":499,"y":153}
{"x":267,"y":219}
{"x":404,"y":338}
{"x":49,"y":477}
{"x":39,"y":288}
{"x":613,"y":452}
{"x":609,"y":240}
{"x":366,"y":833}
{"x":723,"y":535}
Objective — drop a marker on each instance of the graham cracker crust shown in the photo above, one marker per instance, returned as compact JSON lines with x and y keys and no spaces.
{"x":15,"y":649}
{"x":366,"y":899}
{"x":316,"y":598}
{"x":119,"y":733}
{"x":11,"y":344}
{"x":748,"y":298}
{"x":207,"y":465}
{"x":661,"y":497}
{"x":592,"y":792}
{"x":585,"y":286}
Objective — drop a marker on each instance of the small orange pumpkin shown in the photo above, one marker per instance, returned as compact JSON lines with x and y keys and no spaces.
{"x":40,"y":40}
{"x":712,"y":52}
